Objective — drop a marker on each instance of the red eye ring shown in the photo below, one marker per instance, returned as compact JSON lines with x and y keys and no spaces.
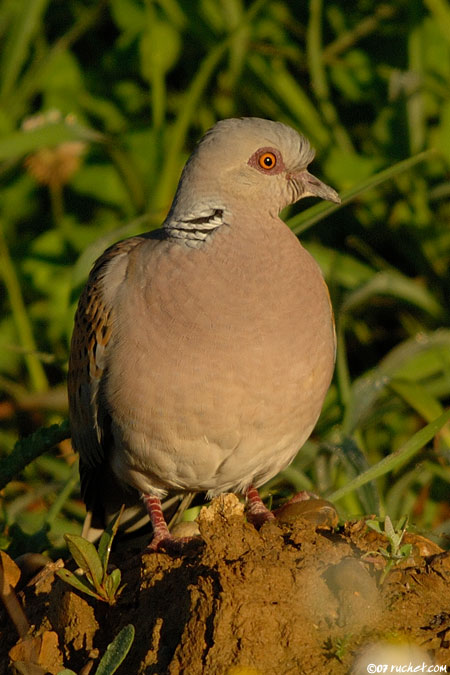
{"x":267,"y":161}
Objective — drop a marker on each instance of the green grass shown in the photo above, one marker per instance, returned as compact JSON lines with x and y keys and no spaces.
{"x":135,"y":83}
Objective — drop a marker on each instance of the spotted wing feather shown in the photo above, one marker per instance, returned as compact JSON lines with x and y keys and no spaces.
{"x":91,"y":337}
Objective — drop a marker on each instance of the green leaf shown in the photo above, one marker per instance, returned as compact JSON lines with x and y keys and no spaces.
{"x":356,"y":463}
{"x":405,"y":550}
{"x":111,"y":585}
{"x":102,"y":182}
{"x":374,"y":525}
{"x":353,"y":74}
{"x":116,"y":578}
{"x":116,"y":651}
{"x":85,"y":555}
{"x":129,"y":17}
{"x":77,"y":582}
{"x":63,"y":82}
{"x":389,"y":530}
{"x":343,"y":168}
{"x":425,"y":355}
{"x":159,"y":48}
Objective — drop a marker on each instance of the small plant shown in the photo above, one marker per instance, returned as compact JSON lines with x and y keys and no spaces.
{"x":97,"y":582}
{"x":395,"y":552}
{"x":115,"y":653}
{"x":338,"y":647}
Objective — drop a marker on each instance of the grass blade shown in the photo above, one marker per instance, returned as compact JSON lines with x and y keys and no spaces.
{"x":418,"y":358}
{"x":357,"y":464}
{"x":27,"y":21}
{"x":277,"y":79}
{"x":396,"y":459}
{"x":27,"y":449}
{"x":318,"y":76}
{"x":22,"y":321}
{"x":441,"y":11}
{"x":396,"y":285}
{"x":106,"y":540}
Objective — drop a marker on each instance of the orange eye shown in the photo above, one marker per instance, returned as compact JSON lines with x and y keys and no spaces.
{"x":267,"y":160}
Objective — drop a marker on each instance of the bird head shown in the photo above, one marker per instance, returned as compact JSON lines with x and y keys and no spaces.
{"x":256,"y":162}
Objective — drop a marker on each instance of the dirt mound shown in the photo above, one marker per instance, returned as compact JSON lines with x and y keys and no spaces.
{"x":292,"y":598}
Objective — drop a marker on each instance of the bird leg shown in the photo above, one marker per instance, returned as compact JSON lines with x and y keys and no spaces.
{"x":161,"y":534}
{"x":257,"y":512}
{"x":162,"y":537}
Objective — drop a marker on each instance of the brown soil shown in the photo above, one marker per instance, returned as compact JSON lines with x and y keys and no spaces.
{"x":292,"y":598}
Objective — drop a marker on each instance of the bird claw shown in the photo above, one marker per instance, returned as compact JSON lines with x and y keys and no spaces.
{"x":171,"y":544}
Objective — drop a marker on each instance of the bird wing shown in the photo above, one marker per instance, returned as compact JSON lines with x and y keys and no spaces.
{"x":89,"y":418}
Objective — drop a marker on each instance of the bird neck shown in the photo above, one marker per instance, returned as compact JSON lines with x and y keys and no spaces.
{"x":194,"y":226}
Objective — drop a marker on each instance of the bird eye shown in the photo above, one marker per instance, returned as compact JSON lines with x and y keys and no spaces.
{"x":267,"y":160}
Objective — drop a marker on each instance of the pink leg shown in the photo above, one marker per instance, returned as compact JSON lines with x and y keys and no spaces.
{"x":162,"y":538}
{"x":257,"y":513}
{"x":161,"y":534}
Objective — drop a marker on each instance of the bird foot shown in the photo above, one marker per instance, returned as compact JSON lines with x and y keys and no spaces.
{"x":171,"y":544}
{"x":163,"y":540}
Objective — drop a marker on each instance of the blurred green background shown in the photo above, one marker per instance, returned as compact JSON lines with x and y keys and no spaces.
{"x":101,"y":104}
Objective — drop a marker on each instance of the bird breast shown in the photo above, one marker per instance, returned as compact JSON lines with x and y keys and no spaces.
{"x":220,"y":355}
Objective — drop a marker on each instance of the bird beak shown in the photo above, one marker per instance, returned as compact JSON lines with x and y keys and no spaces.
{"x":313,"y":187}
